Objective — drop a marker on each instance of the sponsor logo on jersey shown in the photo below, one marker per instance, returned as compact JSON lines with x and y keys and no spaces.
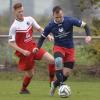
{"x":28,"y":37}
{"x":28,"y":23}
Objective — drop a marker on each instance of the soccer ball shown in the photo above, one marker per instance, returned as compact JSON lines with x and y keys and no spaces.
{"x":64,"y":91}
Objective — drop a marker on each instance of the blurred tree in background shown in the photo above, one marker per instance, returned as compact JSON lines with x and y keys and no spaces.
{"x":95,"y":45}
{"x":77,"y":8}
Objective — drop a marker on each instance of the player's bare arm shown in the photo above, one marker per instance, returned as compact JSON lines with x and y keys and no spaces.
{"x":14,"y":46}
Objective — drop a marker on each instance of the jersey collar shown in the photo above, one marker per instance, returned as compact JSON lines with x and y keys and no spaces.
{"x":19,"y":20}
{"x":59,"y":23}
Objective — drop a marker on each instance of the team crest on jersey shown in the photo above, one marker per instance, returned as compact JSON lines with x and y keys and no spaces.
{"x":61,"y":29}
{"x":28,"y":23}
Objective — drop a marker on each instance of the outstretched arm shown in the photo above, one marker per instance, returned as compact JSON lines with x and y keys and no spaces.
{"x":14,"y":46}
{"x":86,"y":27}
{"x":80,"y":23}
{"x":40,"y":29}
{"x":44,"y":35}
{"x":87,"y":31}
{"x":39,"y":44}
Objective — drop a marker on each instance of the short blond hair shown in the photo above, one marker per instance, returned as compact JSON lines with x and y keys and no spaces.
{"x":17,"y":5}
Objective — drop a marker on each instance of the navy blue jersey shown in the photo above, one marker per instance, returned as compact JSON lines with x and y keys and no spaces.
{"x":62,"y":32}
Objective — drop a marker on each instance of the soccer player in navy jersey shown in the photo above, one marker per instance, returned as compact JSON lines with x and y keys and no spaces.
{"x":62,"y":29}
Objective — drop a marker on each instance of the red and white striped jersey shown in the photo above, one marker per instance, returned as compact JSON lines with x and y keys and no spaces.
{"x":21,"y":32}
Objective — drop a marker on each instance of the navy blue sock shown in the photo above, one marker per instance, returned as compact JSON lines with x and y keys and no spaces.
{"x":60,"y":78}
{"x":65,"y":78}
{"x":59,"y":75}
{"x":56,"y":83}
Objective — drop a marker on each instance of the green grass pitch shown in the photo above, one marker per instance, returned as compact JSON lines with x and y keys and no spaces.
{"x":9,"y":90}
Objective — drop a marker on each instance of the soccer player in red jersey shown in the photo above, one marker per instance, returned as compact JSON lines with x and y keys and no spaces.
{"x":20,"y":39}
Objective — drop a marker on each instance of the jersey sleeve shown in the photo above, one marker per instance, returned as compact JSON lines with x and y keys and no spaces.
{"x":76,"y":22}
{"x":35,"y":24}
{"x":12,"y":34}
{"x":46,"y":31}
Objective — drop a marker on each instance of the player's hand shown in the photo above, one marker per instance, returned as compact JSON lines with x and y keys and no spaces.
{"x":26,"y":53}
{"x":35,"y":50}
{"x":50,"y":38}
{"x":88,"y":39}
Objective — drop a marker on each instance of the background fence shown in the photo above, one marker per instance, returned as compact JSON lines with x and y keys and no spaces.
{"x":7,"y":57}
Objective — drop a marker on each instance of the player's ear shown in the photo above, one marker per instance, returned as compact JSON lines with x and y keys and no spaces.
{"x":62,"y":13}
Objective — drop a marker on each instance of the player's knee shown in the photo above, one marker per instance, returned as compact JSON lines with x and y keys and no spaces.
{"x":29,"y":73}
{"x":51,"y":61}
{"x":59,"y":62}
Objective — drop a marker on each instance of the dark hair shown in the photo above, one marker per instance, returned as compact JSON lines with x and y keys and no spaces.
{"x":17,"y":5}
{"x":56,"y":9}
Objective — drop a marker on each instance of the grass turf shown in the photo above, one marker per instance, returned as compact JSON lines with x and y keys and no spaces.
{"x":9,"y":90}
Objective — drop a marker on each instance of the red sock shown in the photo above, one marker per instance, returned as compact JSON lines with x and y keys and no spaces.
{"x":51,"y":70}
{"x":26,"y":82}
